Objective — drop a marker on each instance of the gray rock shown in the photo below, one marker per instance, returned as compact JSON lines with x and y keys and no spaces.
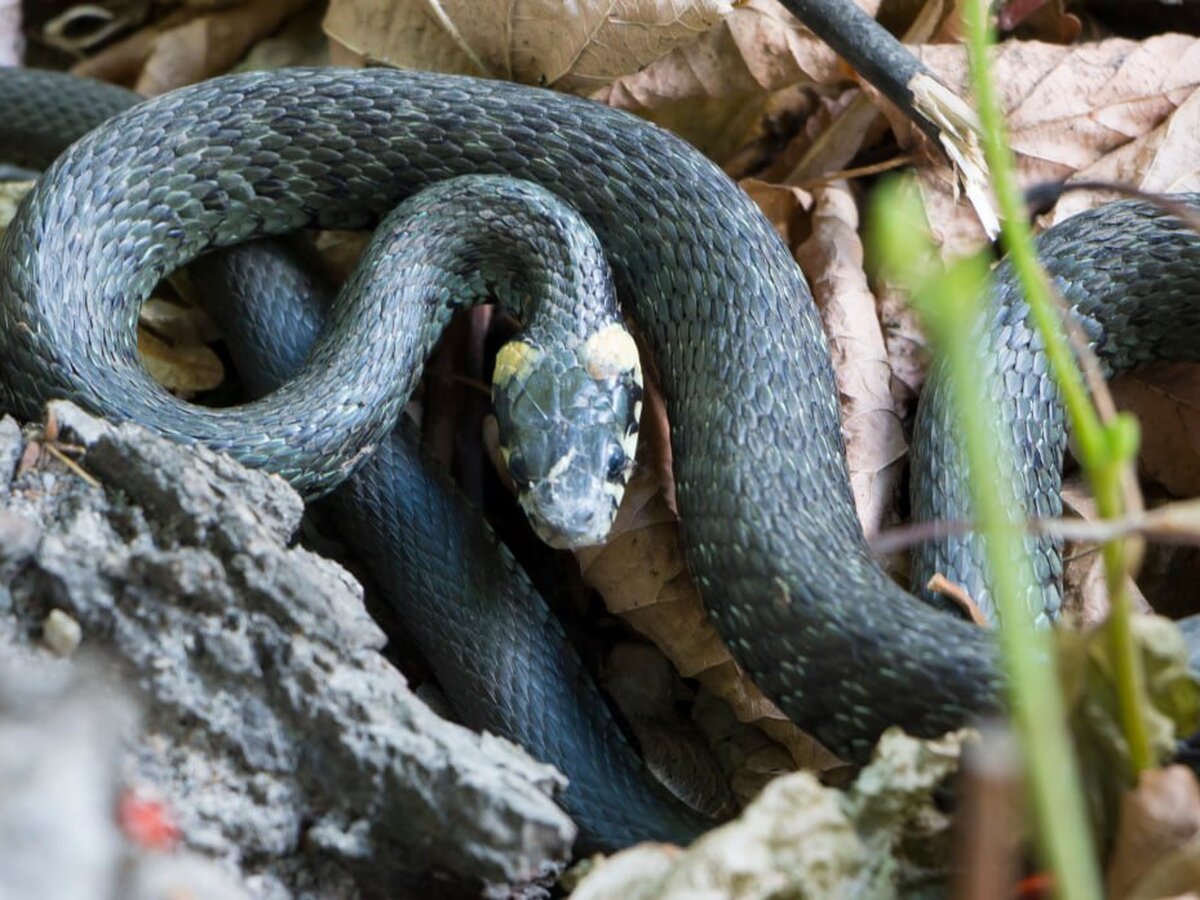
{"x":63,"y":730}
{"x":59,"y":744}
{"x":284,"y":743}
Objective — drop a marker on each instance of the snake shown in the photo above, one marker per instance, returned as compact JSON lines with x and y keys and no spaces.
{"x":724,"y":313}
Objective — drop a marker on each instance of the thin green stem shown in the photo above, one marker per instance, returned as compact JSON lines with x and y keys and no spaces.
{"x":951,"y":303}
{"x":1039,"y":714}
{"x":1103,"y":449}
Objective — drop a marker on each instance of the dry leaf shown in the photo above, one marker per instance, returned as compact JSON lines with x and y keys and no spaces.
{"x":301,"y":42}
{"x":1166,"y":399}
{"x":1157,"y":850}
{"x":1163,"y":160}
{"x":907,"y":348}
{"x":185,"y":369}
{"x":832,"y":260}
{"x":405,"y":33}
{"x":1066,"y":108}
{"x":185,"y":48}
{"x":785,"y":207}
{"x":176,"y":323}
{"x":531,"y":41}
{"x":760,"y":47}
{"x":716,"y":91}
{"x":831,"y":138}
{"x":1085,"y":589}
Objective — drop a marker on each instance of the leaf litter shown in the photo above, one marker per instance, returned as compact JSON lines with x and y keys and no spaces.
{"x":765,"y":98}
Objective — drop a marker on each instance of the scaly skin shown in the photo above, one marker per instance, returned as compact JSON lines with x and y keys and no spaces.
{"x":769,"y":526}
{"x":456,"y":589}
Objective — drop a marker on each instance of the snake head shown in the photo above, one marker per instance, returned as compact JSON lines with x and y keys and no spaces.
{"x":568,"y":422}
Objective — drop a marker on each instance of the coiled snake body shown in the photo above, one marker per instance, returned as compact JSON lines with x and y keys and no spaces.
{"x":768,"y":520}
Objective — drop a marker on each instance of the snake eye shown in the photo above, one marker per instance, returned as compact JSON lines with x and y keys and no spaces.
{"x":519,"y":472}
{"x":616,"y":464}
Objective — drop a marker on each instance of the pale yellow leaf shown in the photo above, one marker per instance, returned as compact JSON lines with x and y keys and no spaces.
{"x":185,"y":369}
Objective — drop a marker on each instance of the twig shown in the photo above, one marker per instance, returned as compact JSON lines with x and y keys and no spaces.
{"x":1172,"y":523}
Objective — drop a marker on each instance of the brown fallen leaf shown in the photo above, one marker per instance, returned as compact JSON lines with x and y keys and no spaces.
{"x":1066,"y":108}
{"x":529,"y":41}
{"x":1162,"y":160}
{"x":1166,"y":397}
{"x":122,"y":62}
{"x":832,"y":260}
{"x":177,"y":323}
{"x":907,"y":348}
{"x":405,"y":33}
{"x":787,"y":208}
{"x":300,"y":42}
{"x":747,"y":754}
{"x":1157,"y":849}
{"x":716,"y":91}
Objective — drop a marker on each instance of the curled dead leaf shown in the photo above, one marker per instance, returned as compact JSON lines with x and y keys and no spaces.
{"x":1157,"y":849}
{"x":177,"y":323}
{"x":832,"y":259}
{"x":1166,"y":396}
{"x":1161,"y":160}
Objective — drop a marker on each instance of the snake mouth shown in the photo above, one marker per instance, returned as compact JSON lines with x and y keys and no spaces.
{"x":568,"y":523}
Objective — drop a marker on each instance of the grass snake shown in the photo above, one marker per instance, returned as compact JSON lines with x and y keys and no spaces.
{"x":768,"y":521}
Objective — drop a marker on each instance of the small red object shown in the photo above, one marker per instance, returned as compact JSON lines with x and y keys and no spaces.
{"x":1039,"y":886}
{"x":147,"y":823}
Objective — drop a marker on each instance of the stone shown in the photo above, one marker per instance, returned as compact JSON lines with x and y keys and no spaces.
{"x":286,"y":747}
